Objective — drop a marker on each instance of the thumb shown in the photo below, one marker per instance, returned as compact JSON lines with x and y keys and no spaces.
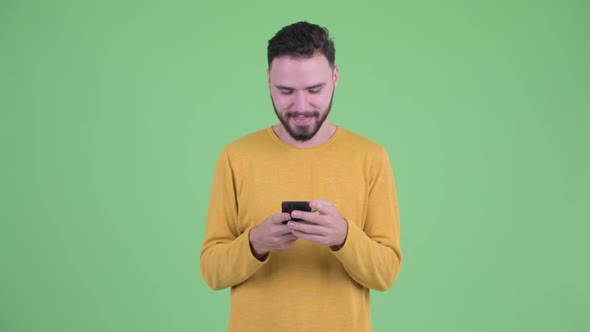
{"x":279,"y":217}
{"x":321,"y":206}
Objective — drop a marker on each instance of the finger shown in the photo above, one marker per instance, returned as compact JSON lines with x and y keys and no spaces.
{"x":300,"y":227}
{"x":280,"y":217}
{"x":310,"y":237}
{"x":307,"y":216}
{"x":288,"y":237}
{"x":322,"y":206}
{"x":290,"y":242}
{"x":286,"y":244}
{"x":280,"y":239}
{"x":283,"y":231}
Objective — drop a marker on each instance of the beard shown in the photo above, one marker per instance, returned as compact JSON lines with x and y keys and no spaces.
{"x":306,"y":132}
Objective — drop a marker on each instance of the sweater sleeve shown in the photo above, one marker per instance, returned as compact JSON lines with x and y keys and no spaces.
{"x":372,"y":255}
{"x":226,"y":258}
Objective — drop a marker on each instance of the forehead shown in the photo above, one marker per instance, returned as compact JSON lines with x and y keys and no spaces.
{"x":290,"y":71}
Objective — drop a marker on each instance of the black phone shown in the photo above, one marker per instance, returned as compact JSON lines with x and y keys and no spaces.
{"x":290,"y":206}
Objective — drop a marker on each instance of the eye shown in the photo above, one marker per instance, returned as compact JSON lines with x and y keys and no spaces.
{"x":315,"y":90}
{"x":286,"y":92}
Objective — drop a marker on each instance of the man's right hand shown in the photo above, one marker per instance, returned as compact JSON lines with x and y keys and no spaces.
{"x":271,"y":235}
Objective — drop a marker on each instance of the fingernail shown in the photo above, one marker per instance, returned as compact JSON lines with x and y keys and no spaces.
{"x":295,"y":214}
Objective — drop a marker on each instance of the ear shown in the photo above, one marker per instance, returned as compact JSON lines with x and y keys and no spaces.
{"x":335,"y":76}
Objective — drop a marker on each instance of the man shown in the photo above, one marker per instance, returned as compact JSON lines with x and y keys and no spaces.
{"x":314,"y":274}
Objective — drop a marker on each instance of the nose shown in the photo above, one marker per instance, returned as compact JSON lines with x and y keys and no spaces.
{"x":300,"y":102}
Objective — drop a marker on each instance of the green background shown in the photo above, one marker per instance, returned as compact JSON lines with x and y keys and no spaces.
{"x":113,"y":114}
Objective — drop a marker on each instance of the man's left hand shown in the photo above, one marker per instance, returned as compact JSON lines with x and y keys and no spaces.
{"x":326,"y":227}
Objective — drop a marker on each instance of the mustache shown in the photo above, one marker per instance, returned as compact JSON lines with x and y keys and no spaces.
{"x":307,"y":113}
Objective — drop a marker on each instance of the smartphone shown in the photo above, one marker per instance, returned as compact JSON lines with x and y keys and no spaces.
{"x":290,"y":206}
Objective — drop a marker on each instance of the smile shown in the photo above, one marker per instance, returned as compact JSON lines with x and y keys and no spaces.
{"x":302,"y":120}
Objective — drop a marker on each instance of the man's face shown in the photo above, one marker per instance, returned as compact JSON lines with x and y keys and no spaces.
{"x":301,"y":90}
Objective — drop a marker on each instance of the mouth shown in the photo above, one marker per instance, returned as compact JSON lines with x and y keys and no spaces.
{"x":302,"y":120}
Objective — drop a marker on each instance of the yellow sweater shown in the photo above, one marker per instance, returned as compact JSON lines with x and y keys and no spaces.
{"x":308,"y":287}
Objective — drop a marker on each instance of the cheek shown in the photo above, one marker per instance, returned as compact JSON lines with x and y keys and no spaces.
{"x":281,"y":101}
{"x":321,"y":101}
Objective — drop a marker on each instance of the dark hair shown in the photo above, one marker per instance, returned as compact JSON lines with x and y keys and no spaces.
{"x":301,"y":40}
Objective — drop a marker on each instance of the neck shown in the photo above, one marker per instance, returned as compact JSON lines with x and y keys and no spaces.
{"x":323,"y":135}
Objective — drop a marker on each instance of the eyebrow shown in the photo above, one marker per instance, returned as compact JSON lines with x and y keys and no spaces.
{"x":282,"y":87}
